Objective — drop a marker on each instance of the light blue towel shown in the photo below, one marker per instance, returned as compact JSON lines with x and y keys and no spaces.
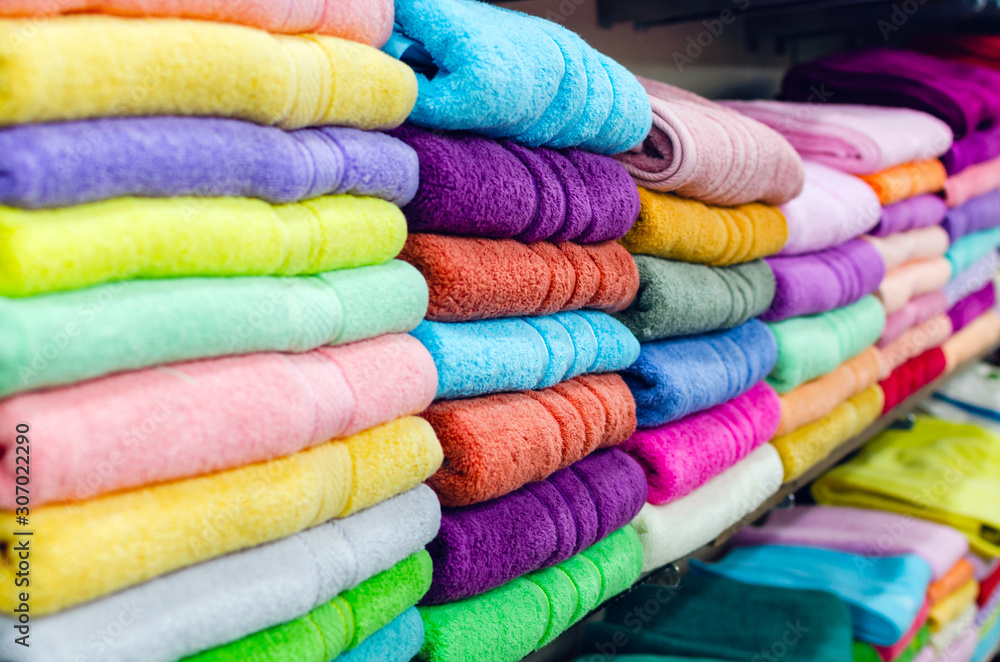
{"x":524,"y":353}
{"x":676,"y":377}
{"x":964,"y":252}
{"x":988,"y":643}
{"x":505,"y":74}
{"x":884,"y":594}
{"x":399,"y":641}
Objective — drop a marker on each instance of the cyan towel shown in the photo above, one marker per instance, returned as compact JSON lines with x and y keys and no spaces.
{"x":964,"y":252}
{"x":524,"y":353}
{"x":399,"y":641}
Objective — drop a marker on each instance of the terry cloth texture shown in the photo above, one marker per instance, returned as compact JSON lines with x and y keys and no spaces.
{"x":523,"y":353}
{"x":195,"y":68}
{"x":533,"y":80}
{"x":495,"y":444}
{"x":978,"y":335}
{"x":907,"y":180}
{"x":979,"y":213}
{"x":901,"y":247}
{"x":913,"y":279}
{"x":920,"y":211}
{"x":400,"y":641}
{"x":917,"y":310}
{"x":912,"y":376}
{"x":483,"y":546}
{"x":975,"y":181}
{"x":168,"y":526}
{"x":692,"y":231}
{"x":971,"y":307}
{"x":972,"y":247}
{"x":680,"y":299}
{"x":700,"y":149}
{"x":472,"y":279}
{"x":66,"y":337}
{"x":474,"y":186}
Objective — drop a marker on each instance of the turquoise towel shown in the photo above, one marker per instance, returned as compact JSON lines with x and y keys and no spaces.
{"x":398,"y":641}
{"x":524,"y":353}
{"x":964,"y":252}
{"x":66,"y":337}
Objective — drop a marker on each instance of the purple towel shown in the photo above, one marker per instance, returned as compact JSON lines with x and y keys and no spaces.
{"x":59,"y":165}
{"x":486,"y":545}
{"x":818,"y":282}
{"x":972,"y":307}
{"x":480,"y":187}
{"x":920,"y":211}
{"x":979,"y":213}
{"x":977,"y":147}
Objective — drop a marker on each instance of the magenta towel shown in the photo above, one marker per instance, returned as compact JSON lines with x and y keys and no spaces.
{"x":972,"y":307}
{"x":681,"y":456}
{"x":977,"y":147}
{"x":920,"y":211}
{"x":872,"y":533}
{"x":916,"y":311}
{"x":185,"y":419}
{"x":479,"y":187}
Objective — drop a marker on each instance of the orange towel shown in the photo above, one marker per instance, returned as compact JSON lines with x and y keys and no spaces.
{"x":905,"y":181}
{"x":951,"y":581}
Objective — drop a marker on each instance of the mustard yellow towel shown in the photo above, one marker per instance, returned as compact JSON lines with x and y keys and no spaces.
{"x":939,"y":471}
{"x":81,"y":551}
{"x":809,"y":444}
{"x":72,"y":67}
{"x":61,"y":249}
{"x":692,"y":231}
{"x":951,"y":607}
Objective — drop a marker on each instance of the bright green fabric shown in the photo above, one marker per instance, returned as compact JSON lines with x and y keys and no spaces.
{"x":865,"y":653}
{"x":964,"y":252}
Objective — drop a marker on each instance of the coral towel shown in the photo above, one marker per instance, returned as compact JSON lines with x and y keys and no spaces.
{"x":907,"y":180}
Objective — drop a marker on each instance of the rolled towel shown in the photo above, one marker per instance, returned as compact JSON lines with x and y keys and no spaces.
{"x":700,"y":149}
{"x":977,"y":147}
{"x":165,"y":527}
{"x":833,"y":207}
{"x":822,"y":281}
{"x":213,"y":603}
{"x":853,"y":138}
{"x":223,"y":70}
{"x":674,"y":530}
{"x":806,"y":446}
{"x":952,"y":606}
{"x":912,"y":376}
{"x":535,"y":81}
{"x":912,"y":279}
{"x":66,"y":337}
{"x":901,"y":247}
{"x":974,"y":181}
{"x":524,"y":353}
{"x":674,"y":378}
{"x":968,"y":309}
{"x":679,"y":298}
{"x":957,"y":639}
{"x":906,"y":647}
{"x":498,"y":443}
{"x":951,"y":579}
{"x":400,"y":641}
{"x":527,"y":613}
{"x":979,"y":213}
{"x":970,"y":248}
{"x":474,"y":186}
{"x":915,"y":341}
{"x":484,"y":546}
{"x":978,"y":335}
{"x":916,"y":311}
{"x":472,"y":279}
{"x":988,"y":586}
{"x":920,"y":211}
{"x":906,"y":181}
{"x":692,"y":231}
{"x":972,"y":278}
{"x":809,"y":347}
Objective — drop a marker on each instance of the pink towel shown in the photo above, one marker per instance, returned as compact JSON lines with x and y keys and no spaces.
{"x":972,"y":182}
{"x":853,"y":138}
{"x":699,"y":149}
{"x":912,"y":279}
{"x":913,"y":342}
{"x":902,"y":247}
{"x":185,"y":419}
{"x":916,"y":311}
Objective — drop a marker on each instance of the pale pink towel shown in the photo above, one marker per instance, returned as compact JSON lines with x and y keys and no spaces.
{"x":912,"y":279}
{"x":915,"y":341}
{"x":911,"y":245}
{"x":972,"y":182}
{"x":186,"y":419}
{"x":916,"y":311}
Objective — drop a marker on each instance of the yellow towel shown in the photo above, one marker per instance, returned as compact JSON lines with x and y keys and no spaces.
{"x":952,"y":606}
{"x":691,"y":231}
{"x":59,"y":249}
{"x":809,"y":444}
{"x":81,"y":551}
{"x":90,"y":65}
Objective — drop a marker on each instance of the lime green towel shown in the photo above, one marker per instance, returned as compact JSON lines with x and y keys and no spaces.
{"x":865,"y":653}
{"x":63,"y":249}
{"x":337,"y":626}
{"x":507,"y":623}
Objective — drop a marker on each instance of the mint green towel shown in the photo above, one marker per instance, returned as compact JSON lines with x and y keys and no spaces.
{"x":964,"y":252}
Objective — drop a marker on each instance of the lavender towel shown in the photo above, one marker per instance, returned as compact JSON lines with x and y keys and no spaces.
{"x":979,"y":213}
{"x":64,"y":164}
{"x":480,"y":187}
{"x":920,"y":211}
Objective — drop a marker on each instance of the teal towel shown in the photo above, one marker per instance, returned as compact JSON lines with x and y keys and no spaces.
{"x":398,"y":641}
{"x":964,"y":252}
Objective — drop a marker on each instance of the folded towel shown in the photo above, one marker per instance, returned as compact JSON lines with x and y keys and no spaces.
{"x":974,"y":181}
{"x":69,"y":163}
{"x":977,"y":147}
{"x":66,"y":337}
{"x":988,"y":587}
{"x":523,"y":353}
{"x":972,"y":278}
{"x":915,"y":341}
{"x":674,"y":530}
{"x":682,"y":456}
{"x":920,"y":211}
{"x":969,"y":308}
{"x":907,"y":180}
{"x":809,"y":347}
{"x":822,"y":281}
{"x":523,"y":615}
{"x":700,"y":149}
{"x":911,"y":642}
{"x":480,"y":187}
{"x":165,"y":527}
{"x":983,"y":568}
{"x":806,"y":446}
{"x":674,"y":378}
{"x":978,"y":335}
{"x":472,"y":279}
{"x":484,"y":546}
{"x":494,"y":444}
{"x":164,"y":66}
{"x":952,"y":606}
{"x":853,"y":138}
{"x":692,"y":231}
{"x":957,"y":639}
{"x":916,"y":311}
{"x":979,"y":213}
{"x":952,"y":580}
{"x":970,"y":248}
{"x":400,"y":641}
{"x":916,"y":646}
{"x":912,"y":279}
{"x":832,"y":208}
{"x":989,"y":639}
{"x":912,"y":376}
{"x":533,"y":80}
{"x":900,"y":247}
{"x":679,"y":298}
{"x":884,"y":594}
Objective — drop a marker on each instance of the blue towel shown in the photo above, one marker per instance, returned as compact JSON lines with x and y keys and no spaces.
{"x":988,"y":642}
{"x":399,"y":641}
{"x":676,"y":377}
{"x":964,"y":252}
{"x":884,"y":594}
{"x":523,"y":353}
{"x":529,"y":79}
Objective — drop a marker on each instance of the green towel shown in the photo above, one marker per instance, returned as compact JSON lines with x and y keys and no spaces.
{"x":865,"y":653}
{"x":66,"y":337}
{"x":964,"y":252}
{"x":509,"y":622}
{"x":680,"y":298}
{"x":339,"y":625}
{"x":809,"y":347}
